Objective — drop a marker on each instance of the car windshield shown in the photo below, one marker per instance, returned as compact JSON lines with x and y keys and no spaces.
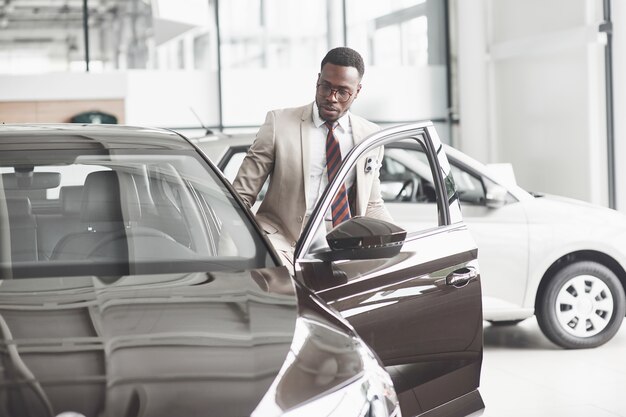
{"x":119,"y":212}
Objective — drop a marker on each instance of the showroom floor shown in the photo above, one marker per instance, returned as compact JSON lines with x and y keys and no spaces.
{"x":524,"y":374}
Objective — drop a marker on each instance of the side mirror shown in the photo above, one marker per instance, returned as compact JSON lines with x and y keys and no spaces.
{"x":496,"y":196}
{"x":365,"y":238}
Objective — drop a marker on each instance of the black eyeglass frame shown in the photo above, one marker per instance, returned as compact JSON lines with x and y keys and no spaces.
{"x":335,"y":91}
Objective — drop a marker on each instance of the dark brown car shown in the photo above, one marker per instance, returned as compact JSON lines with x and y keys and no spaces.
{"x":136,"y":283}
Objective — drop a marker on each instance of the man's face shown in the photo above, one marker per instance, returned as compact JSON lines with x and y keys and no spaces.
{"x":342,"y":80}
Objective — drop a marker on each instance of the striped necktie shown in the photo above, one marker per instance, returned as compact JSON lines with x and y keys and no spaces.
{"x":340,"y":205}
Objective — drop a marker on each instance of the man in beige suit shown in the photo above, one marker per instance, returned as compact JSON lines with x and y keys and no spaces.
{"x":290,"y":149}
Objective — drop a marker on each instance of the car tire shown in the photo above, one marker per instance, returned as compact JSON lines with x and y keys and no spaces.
{"x":582,"y":306}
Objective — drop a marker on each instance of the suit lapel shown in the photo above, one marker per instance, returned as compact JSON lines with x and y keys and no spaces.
{"x":358,"y":130}
{"x":305,"y":129}
{"x":357,"y":136}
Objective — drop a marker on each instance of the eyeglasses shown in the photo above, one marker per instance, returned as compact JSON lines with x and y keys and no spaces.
{"x":342,"y":94}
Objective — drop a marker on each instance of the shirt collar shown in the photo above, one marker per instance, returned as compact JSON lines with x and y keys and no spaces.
{"x":344,"y":121}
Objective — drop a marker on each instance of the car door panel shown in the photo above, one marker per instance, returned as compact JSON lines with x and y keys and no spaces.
{"x":419,"y":309}
{"x":422,"y":328}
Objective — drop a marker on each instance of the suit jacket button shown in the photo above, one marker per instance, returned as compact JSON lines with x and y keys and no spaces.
{"x":293,"y":244}
{"x":299,"y":219}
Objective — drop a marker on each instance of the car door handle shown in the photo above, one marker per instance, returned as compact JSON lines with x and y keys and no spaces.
{"x":461,"y":277}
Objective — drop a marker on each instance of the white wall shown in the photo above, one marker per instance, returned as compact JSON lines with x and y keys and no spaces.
{"x":166,"y":98}
{"x":544,"y":97}
{"x":62,"y":86}
{"x":160,"y":99}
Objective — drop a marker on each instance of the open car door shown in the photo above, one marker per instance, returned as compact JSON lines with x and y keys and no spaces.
{"x":413,"y":295}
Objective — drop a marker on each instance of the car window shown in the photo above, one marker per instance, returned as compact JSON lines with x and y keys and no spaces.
{"x":233,"y":164}
{"x":402,"y":166}
{"x":470,"y":187}
{"x":406,"y":183}
{"x":67,"y":213}
{"x":404,"y":174}
{"x":230,"y":167}
{"x":398,"y":185}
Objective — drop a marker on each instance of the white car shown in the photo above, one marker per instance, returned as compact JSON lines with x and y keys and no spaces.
{"x":561,"y":259}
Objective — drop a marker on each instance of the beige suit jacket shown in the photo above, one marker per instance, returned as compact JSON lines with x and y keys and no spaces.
{"x":281,"y":151}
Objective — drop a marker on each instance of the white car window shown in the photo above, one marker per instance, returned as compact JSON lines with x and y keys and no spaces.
{"x":402,"y":166}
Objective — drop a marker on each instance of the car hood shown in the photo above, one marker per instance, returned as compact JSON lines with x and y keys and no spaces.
{"x":569,"y":209}
{"x":159,"y":345}
{"x":563,"y":225}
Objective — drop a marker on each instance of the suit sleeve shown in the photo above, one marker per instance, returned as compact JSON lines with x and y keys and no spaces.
{"x":376,"y":206}
{"x":257,"y":164}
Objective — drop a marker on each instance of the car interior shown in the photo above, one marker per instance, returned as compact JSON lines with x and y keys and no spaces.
{"x":122,"y":215}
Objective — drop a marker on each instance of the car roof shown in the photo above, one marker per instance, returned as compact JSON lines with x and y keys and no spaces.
{"x":88,"y":136}
{"x":217,"y":144}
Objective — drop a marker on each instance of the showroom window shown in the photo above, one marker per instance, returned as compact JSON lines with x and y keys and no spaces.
{"x":224,"y":64}
{"x":404,"y":45}
{"x":270,"y":56}
{"x":272,"y":34}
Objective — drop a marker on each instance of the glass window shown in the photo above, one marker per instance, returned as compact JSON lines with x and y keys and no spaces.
{"x":405,"y":178}
{"x":201,"y":48}
{"x":125,"y":213}
{"x":272,"y":34}
{"x":406,"y":184}
{"x":403,"y":44}
{"x":232,"y":165}
{"x":270,"y":56}
{"x":402,"y":165}
{"x":50,"y":37}
{"x":468,"y":186}
{"x":149,"y":34}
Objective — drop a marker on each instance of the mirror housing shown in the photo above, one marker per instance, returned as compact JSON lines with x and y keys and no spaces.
{"x":365,"y":238}
{"x":31,"y":180}
{"x":496,"y":196}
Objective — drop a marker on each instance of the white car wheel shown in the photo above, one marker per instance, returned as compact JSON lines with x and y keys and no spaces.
{"x":582,"y":306}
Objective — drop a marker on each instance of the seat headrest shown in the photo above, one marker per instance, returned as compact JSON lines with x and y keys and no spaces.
{"x":71,"y":199}
{"x":111,"y":197}
{"x":101,"y":200}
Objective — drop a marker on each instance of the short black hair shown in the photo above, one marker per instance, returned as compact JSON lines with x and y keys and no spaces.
{"x":346,"y":57}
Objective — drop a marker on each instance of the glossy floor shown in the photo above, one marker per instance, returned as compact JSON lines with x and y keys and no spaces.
{"x":524,"y":374}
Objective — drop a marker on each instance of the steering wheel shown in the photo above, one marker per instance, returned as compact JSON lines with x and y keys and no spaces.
{"x":409,"y":190}
{"x":116,"y":245}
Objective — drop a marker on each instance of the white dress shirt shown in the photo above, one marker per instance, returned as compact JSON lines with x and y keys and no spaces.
{"x":318,"y":176}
